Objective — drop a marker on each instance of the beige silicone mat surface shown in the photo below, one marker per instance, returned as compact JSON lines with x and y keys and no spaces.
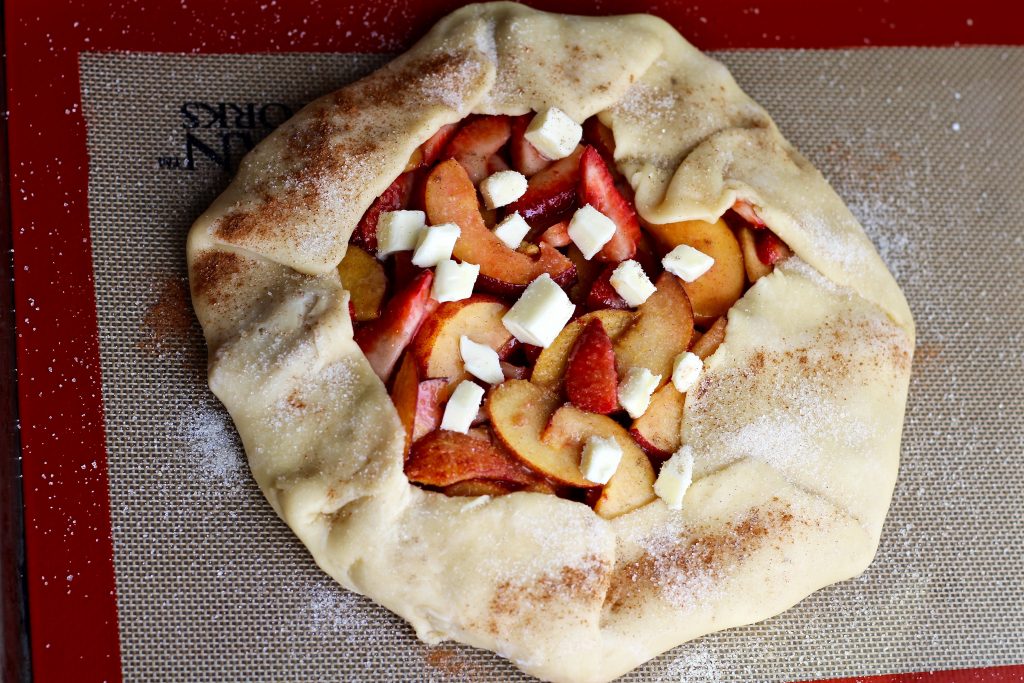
{"x":927,"y":147}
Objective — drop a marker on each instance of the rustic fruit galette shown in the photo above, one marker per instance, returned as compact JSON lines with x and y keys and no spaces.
{"x":544,"y":338}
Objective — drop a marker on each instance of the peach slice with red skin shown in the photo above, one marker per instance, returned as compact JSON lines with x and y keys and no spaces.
{"x":549,"y":368}
{"x":632,"y":485}
{"x":363,"y":276}
{"x":420,"y":403}
{"x":395,"y":197}
{"x":587,"y":273}
{"x":709,"y":342}
{"x":662,"y":330}
{"x":451,"y":198}
{"x":751,"y":262}
{"x":658,"y":431}
{"x":443,"y":458}
{"x":383,"y":340}
{"x":519,"y":413}
{"x":478,"y":141}
{"x":714,"y":292}
{"x":435,"y":349}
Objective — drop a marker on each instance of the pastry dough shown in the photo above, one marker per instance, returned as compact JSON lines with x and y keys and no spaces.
{"x":795,"y":425}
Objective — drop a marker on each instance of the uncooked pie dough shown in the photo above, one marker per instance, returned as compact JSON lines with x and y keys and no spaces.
{"x":794,"y":427}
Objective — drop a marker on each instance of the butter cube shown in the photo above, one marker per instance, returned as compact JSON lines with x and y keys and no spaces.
{"x":540,"y":313}
{"x":601,"y":457}
{"x":635,"y":391}
{"x":435,"y":244}
{"x":504,"y":187}
{"x":632,"y":283}
{"x":481,"y":361}
{"x":553,"y":133}
{"x":590,"y":230}
{"x":675,"y":478}
{"x":462,"y":407}
{"x":454,"y":281}
{"x":399,"y":231}
{"x":687,"y":263}
{"x":512,"y":230}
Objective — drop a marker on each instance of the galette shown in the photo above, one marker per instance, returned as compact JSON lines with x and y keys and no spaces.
{"x":545,"y":339}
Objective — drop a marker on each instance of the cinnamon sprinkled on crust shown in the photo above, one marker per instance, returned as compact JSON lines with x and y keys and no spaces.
{"x":683,"y":570}
{"x":211,"y":271}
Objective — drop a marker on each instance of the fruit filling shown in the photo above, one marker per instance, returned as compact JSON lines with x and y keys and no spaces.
{"x":533,"y":332}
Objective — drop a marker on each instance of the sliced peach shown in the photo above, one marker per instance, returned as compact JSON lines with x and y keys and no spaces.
{"x":477,"y":142}
{"x":419,"y":402}
{"x":632,"y":485}
{"x":519,"y":412}
{"x":751,"y":263}
{"x":442,"y":458}
{"x":709,"y":342}
{"x":587,"y":273}
{"x":435,"y":348}
{"x":451,"y":198}
{"x":662,"y":330}
{"x":363,"y":276}
{"x":714,"y":292}
{"x":658,"y":430}
{"x":549,"y":370}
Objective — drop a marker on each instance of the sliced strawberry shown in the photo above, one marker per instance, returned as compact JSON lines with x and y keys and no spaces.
{"x":551,"y":193}
{"x":476,"y":142}
{"x":746,"y":211}
{"x":525,"y":157}
{"x":597,"y":188}
{"x":384,"y":339}
{"x":432,"y":148}
{"x":770,"y":249}
{"x":591,"y":382}
{"x":600,"y":137}
{"x":557,"y":235}
{"x":392,"y":199}
{"x":402,"y":269}
{"x":603,"y":295}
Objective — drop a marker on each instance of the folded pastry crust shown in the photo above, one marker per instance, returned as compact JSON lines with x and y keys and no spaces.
{"x":795,"y":425}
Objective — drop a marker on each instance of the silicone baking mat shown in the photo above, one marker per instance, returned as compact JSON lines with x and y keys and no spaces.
{"x":925,"y":144}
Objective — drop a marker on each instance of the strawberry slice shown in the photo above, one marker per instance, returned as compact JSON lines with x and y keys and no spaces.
{"x":477,"y":142}
{"x":597,"y":188}
{"x":591,"y":382}
{"x":525,"y":157}
{"x":746,"y":211}
{"x":392,"y":199}
{"x":600,"y":137}
{"x":557,"y":235}
{"x":603,"y":295}
{"x":402,"y":270}
{"x":432,"y":148}
{"x":551,"y":193}
{"x":384,"y":339}
{"x":770,"y":249}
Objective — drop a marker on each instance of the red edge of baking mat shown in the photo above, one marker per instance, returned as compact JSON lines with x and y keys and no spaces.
{"x":72,"y":604}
